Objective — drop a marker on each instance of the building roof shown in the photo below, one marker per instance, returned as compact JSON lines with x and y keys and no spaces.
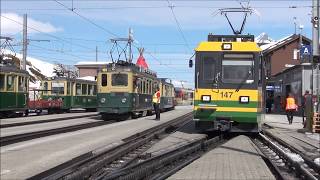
{"x":304,"y":65}
{"x":91,"y":63}
{"x":273,"y":46}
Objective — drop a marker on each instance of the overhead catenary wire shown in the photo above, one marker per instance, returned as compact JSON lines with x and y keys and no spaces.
{"x":150,"y":7}
{"x":47,"y":34}
{"x":87,"y":19}
{"x":98,"y":26}
{"x":178,"y":25}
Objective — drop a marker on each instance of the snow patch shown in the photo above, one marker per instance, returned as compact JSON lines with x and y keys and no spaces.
{"x":295,"y":157}
{"x":88,"y":78}
{"x":317,"y":161}
{"x":92,"y":63}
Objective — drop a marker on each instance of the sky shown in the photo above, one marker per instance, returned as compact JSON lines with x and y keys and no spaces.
{"x":69,"y":31}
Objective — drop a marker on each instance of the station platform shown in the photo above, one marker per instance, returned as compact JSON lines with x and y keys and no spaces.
{"x":293,"y":134}
{"x":46,"y":117}
{"x":236,"y":159}
{"x":26,"y":159}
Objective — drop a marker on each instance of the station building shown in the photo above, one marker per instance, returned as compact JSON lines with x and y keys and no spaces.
{"x":90,"y":68}
{"x":288,"y":70}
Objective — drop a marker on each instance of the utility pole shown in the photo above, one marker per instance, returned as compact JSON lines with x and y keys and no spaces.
{"x":96,"y":53}
{"x":25,"y":42}
{"x":130,"y":41}
{"x":315,"y":47}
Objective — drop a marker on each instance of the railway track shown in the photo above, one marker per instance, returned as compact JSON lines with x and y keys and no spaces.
{"x":98,"y":163}
{"x":285,"y":161}
{"x":46,"y":120}
{"x":7,"y":140}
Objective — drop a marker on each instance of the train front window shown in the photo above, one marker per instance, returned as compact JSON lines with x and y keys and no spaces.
{"x":103,"y":80}
{"x":119,"y":79}
{"x":237,"y":71}
{"x":57,"y":87}
{"x":208,"y":67}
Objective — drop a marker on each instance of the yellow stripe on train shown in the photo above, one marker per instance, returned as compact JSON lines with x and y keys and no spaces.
{"x":236,"y":46}
{"x":226,"y":94}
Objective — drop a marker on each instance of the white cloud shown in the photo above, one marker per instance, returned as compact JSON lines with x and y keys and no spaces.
{"x":11,"y":23}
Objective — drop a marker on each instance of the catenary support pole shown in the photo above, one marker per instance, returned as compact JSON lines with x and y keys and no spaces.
{"x":25,"y":42}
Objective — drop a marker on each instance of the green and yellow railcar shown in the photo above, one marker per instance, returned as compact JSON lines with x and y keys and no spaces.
{"x":75,"y":93}
{"x":167,"y":94}
{"x":229,"y":78}
{"x":14,"y":84}
{"x":125,"y":89}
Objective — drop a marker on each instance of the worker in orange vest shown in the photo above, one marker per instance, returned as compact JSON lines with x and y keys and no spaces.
{"x":290,"y":107}
{"x":156,"y":103}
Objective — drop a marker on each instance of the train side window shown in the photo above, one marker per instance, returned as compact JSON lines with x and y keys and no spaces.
{"x":78,"y":89}
{"x":84,"y":89}
{"x":26,"y":84}
{"x":45,"y":88}
{"x":20,"y":83}
{"x":104,"y":81}
{"x":1,"y":82}
{"x":94,"y":89}
{"x":90,"y":89}
{"x":147,"y":87}
{"x":68,"y":88}
{"x":10,"y":82}
{"x":57,"y":87}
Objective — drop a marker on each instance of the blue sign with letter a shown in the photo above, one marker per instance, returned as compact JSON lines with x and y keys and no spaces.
{"x":306,"y":50}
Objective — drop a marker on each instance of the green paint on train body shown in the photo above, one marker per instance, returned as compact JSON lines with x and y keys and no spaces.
{"x":85,"y":102}
{"x":239,"y":117}
{"x":13,"y":101}
{"x":115,"y":103}
{"x":166,"y":102}
{"x":120,"y":102}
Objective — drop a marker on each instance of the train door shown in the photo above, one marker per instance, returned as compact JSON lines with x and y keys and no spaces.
{"x":21,"y":96}
{"x":11,"y":100}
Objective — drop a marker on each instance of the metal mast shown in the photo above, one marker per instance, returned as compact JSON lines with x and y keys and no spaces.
{"x":25,"y":42}
{"x":315,"y":45}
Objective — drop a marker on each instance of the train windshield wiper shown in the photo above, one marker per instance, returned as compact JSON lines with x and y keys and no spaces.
{"x":245,"y":79}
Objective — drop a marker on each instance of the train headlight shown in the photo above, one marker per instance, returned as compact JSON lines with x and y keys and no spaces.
{"x":244,"y":99}
{"x":124,"y":100}
{"x":103,"y":100}
{"x":206,"y":98}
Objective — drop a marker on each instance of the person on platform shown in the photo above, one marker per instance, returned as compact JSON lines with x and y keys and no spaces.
{"x":156,"y":103}
{"x":303,"y":105}
{"x":290,"y":107}
{"x":269,"y":103}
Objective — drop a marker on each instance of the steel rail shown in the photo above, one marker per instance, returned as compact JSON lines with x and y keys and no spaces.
{"x":307,"y":159}
{"x":45,"y":121}
{"x":300,"y":169}
{"x":86,"y":165}
{"x":145,"y":168}
{"x":7,"y":140}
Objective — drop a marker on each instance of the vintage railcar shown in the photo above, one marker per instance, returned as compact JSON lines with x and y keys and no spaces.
{"x":125,"y":90}
{"x":229,"y":82}
{"x":14,"y":84}
{"x":167,"y":94}
{"x":74,"y":93}
{"x":183,"y":96}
